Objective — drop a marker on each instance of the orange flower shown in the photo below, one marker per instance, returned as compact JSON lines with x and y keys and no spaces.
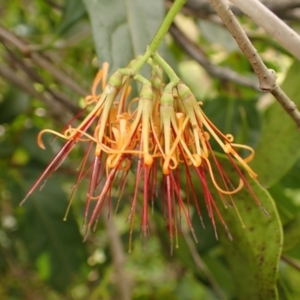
{"x":165,"y":133}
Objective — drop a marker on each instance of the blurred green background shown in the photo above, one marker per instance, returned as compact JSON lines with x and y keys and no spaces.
{"x":49,"y":54}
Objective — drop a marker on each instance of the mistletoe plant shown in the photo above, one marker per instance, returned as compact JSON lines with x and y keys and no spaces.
{"x":163,"y":136}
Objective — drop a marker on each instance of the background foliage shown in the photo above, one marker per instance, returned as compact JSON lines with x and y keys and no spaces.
{"x":49,"y":54}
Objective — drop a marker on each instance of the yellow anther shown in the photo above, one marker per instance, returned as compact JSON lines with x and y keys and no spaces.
{"x":227,"y":148}
{"x":229,"y":137}
{"x":148,"y":159}
{"x":197,"y":160}
{"x":206,"y":135}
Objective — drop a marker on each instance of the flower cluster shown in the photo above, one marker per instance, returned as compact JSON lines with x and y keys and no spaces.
{"x":163,"y":137}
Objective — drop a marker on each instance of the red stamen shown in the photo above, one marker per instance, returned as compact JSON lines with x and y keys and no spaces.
{"x":80,"y":176}
{"x":182,"y":206}
{"x":92,"y":186}
{"x":103,"y":194}
{"x":247,"y":185}
{"x":169,"y":207}
{"x":207,"y":196}
{"x":51,"y":167}
{"x":134,"y":200}
{"x":190,"y":183}
{"x":144,"y":223}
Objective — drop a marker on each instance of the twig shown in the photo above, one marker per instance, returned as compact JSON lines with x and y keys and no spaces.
{"x":291,"y":262}
{"x":57,"y":110}
{"x":55,"y":5}
{"x":202,"y":8}
{"x":215,"y":71}
{"x":288,"y":105}
{"x":119,"y":258}
{"x":41,"y":61}
{"x":58,"y":74}
{"x":35,"y":77}
{"x":266,"y":77}
{"x":287,"y":37}
{"x":201,"y":265}
{"x":283,"y":6}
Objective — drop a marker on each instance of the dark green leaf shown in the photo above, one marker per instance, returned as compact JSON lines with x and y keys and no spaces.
{"x":292,"y":233}
{"x":279,"y":147}
{"x":123,"y":29}
{"x":73,"y":11}
{"x":14,"y":103}
{"x":235,"y":116}
{"x":216,"y":34}
{"x":292,"y":179}
{"x":28,"y":140}
{"x":285,"y":206}
{"x":255,"y":250}
{"x":54,"y":245}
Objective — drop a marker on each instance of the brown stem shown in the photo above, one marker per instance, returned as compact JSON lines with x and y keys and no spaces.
{"x":215,"y":71}
{"x":291,"y":262}
{"x":286,"y":36}
{"x":57,"y":110}
{"x":41,"y":60}
{"x":266,"y":77}
{"x":119,"y":257}
{"x":201,"y":265}
{"x":21,"y":65}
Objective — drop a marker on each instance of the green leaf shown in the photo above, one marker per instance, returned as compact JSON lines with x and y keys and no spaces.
{"x":220,"y":272}
{"x":289,"y":279}
{"x":122,"y":29}
{"x":292,"y":178}
{"x":255,"y":250}
{"x":292,"y":233}
{"x":217,"y":34}
{"x":283,"y":290}
{"x":28,"y":140}
{"x":73,"y":11}
{"x":14,"y":102}
{"x":286,"y":207}
{"x":53,"y":245}
{"x":279,"y":147}
{"x":237,"y":116}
